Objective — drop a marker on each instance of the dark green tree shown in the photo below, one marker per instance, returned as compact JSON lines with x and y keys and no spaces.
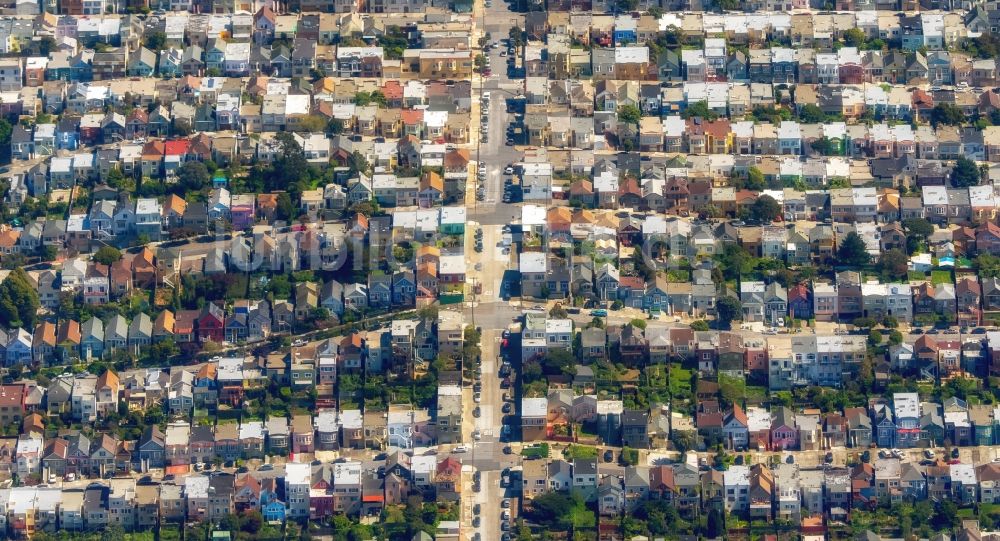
{"x":810,"y":113}
{"x":765,"y":209}
{"x":727,"y":309}
{"x":629,"y":114}
{"x":947,"y":114}
{"x":193,"y":176}
{"x":965,"y":173}
{"x":107,"y":255}
{"x":893,"y":263}
{"x":852,"y":251}
{"x":18,"y":301}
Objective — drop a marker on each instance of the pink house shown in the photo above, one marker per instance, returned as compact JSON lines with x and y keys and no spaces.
{"x":784,"y":433}
{"x":242,"y":209}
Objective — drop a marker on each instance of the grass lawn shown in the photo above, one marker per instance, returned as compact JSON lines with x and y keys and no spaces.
{"x":579,"y":451}
{"x":941,"y":277}
{"x":916,"y":276}
{"x":540,"y":450}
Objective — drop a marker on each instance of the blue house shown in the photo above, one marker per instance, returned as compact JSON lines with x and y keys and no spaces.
{"x":92,"y":339}
{"x":271,"y":508}
{"x":18,"y":350}
{"x":625,"y":30}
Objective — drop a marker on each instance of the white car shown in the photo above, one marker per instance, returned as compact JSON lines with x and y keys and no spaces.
{"x":477,"y":398}
{"x":460,"y":449}
{"x":477,"y":435}
{"x":508,"y":170}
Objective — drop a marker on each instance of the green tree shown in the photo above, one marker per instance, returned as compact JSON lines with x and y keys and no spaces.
{"x":193,"y":176}
{"x":965,"y":173}
{"x":629,"y":114}
{"x":107,"y":255}
{"x":852,"y":251}
{"x":700,"y":110}
{"x":947,"y":114}
{"x":810,"y":113}
{"x":715,"y":525}
{"x":155,"y":40}
{"x":824,"y":146}
{"x":765,"y":209}
{"x":894,"y":263}
{"x":18,"y":301}
{"x":755,"y":180}
{"x":284,"y":208}
{"x":854,"y":37}
{"x":727,"y":309}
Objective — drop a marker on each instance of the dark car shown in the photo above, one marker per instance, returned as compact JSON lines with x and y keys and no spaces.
{"x":507,"y":450}
{"x":979,"y":330}
{"x":506,"y":408}
{"x":609,"y":455}
{"x":829,"y":457}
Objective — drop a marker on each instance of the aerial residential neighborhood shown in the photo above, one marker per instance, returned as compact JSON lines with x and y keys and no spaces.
{"x":491,"y":270}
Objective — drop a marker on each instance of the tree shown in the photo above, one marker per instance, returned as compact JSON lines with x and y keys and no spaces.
{"x":193,"y":176}
{"x":852,"y":251}
{"x":895,"y":338}
{"x":715,"y":525}
{"x":854,"y":37}
{"x":18,"y":301}
{"x":629,"y":114}
{"x":700,"y":110}
{"x":155,"y":40}
{"x":727,"y":309}
{"x":810,"y":113}
{"x":313,"y":124}
{"x":965,"y":173}
{"x":947,"y":114}
{"x":824,"y":146}
{"x":765,"y":209}
{"x":358,"y":163}
{"x":755,"y":179}
{"x":284,"y":207}
{"x":107,"y":255}
{"x":894,"y":263}
{"x":918,"y":230}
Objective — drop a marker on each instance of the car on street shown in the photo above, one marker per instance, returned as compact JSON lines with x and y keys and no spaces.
{"x":477,"y":398}
{"x":476,"y":412}
{"x":928,"y":453}
{"x":507,"y":450}
{"x":505,"y":503}
{"x":828,"y":458}
{"x":600,"y":312}
{"x":477,"y":435}
{"x":475,"y":522}
{"x":506,"y":408}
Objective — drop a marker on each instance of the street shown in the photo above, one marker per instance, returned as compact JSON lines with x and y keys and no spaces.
{"x":487,"y":310}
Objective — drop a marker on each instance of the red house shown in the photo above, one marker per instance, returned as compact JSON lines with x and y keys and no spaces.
{"x":211,"y":323}
{"x":988,"y":239}
{"x":321,"y":493}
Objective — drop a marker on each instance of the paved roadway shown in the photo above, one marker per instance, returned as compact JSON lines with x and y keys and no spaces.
{"x":487,"y":310}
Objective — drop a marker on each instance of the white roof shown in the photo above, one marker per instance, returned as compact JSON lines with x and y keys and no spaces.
{"x":533,"y":215}
{"x":452,"y":264}
{"x":533,"y":262}
{"x":347,"y":473}
{"x":534,"y":407}
{"x":631,"y":55}
{"x":558,"y":326}
{"x":297,"y":474}
{"x":736,"y":476}
{"x":351,"y":419}
{"x":196,"y":486}
{"x":906,"y":405}
{"x":252,"y":430}
{"x":963,"y":473}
